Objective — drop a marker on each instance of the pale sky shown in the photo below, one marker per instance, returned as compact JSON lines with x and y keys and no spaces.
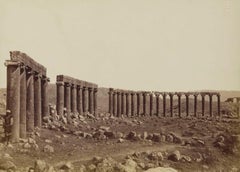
{"x":161,"y":45}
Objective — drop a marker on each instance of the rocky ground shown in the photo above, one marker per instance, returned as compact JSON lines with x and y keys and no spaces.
{"x":126,"y":144}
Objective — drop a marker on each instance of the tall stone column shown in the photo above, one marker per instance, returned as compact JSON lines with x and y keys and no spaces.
{"x":139,"y":103}
{"x":114,"y":103}
{"x":157,"y":104}
{"x":187,"y":104}
{"x":128,"y":107}
{"x":23,"y":103}
{"x":68,"y":99}
{"x":118,"y":104}
{"x":164,"y":104}
{"x":85,"y":99}
{"x":90,"y":100}
{"x":144,"y":103}
{"x":74,"y":99}
{"x":60,"y":98}
{"x":132,"y":104}
{"x":30,"y":101}
{"x":110,"y":103}
{"x":45,"y":99}
{"x":203,"y":104}
{"x":179,"y":105}
{"x":171,"y":104}
{"x":210,"y":104}
{"x":151,"y":104}
{"x":123,"y":100}
{"x":95,"y":105}
{"x":37,"y":101}
{"x":219,"y":104}
{"x":13,"y":98}
{"x":79,"y":100}
{"x":195,"y":105}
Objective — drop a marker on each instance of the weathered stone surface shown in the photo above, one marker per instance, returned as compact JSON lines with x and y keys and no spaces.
{"x":48,"y":149}
{"x":175,"y":156}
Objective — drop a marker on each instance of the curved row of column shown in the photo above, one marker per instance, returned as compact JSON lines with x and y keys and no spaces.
{"x":75,"y":96}
{"x":27,"y":100}
{"x":130,"y":103}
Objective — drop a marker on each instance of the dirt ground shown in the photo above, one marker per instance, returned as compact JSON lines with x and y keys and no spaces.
{"x":209,"y":145}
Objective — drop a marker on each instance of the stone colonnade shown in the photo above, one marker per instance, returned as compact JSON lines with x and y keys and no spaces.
{"x":236,"y":101}
{"x":75,"y":96}
{"x":131,"y":103}
{"x":27,"y":98}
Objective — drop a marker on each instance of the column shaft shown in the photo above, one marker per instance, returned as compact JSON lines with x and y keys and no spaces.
{"x":85,"y":100}
{"x":171,"y":105}
{"x":144,"y":104}
{"x":90,"y":100}
{"x":68,"y":100}
{"x":203,"y":105}
{"x":219,"y":105}
{"x":128,"y":109}
{"x":132,"y":104}
{"x":95,"y":102}
{"x":23,"y":103}
{"x":37,"y":102}
{"x":210,"y":105}
{"x":110,"y":101}
{"x":187,"y":104}
{"x":79,"y":100}
{"x":157,"y":105}
{"x":151,"y":104}
{"x":60,"y":98}
{"x":179,"y":106}
{"x":195,"y":105}
{"x":118,"y":104}
{"x":74,"y":99}
{"x":164,"y":105}
{"x":114,"y":103}
{"x":30,"y":101}
{"x":123,"y":101}
{"x":13,"y":99}
{"x":138,"y":103}
{"x":45,"y":99}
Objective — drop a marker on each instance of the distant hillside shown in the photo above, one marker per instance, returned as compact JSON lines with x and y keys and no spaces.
{"x":103,"y":100}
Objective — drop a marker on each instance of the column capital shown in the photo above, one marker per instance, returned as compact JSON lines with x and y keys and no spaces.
{"x":37,"y":76}
{"x":12,"y":63}
{"x":79,"y":87}
{"x":95,"y":90}
{"x":73,"y":86}
{"x":60,"y":83}
{"x":44,"y":78}
{"x":67,"y":84}
{"x":90,"y":88}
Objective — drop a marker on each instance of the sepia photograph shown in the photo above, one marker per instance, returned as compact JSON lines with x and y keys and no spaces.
{"x":119,"y":86}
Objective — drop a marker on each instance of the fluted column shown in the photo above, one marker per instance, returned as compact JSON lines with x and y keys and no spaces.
{"x":157,"y":104}
{"x":37,"y":101}
{"x":171,"y":104}
{"x":60,"y":98}
{"x":90,"y":100}
{"x":151,"y":104}
{"x":110,"y":103}
{"x":128,"y":104}
{"x":74,"y":99}
{"x":132,"y":104}
{"x":85,"y":100}
{"x":179,"y":105}
{"x":118,"y":104}
{"x":187,"y":104}
{"x":144,"y":103}
{"x":219,"y":104}
{"x":79,"y":100}
{"x":203,"y":104}
{"x":123,"y":101}
{"x":114,"y":103}
{"x":23,"y":103}
{"x":95,"y":106}
{"x":13,"y":98}
{"x":210,"y":104}
{"x":30,"y":101}
{"x":68,"y":99}
{"x":195,"y":105}
{"x":164,"y":104}
{"x":45,"y":98}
